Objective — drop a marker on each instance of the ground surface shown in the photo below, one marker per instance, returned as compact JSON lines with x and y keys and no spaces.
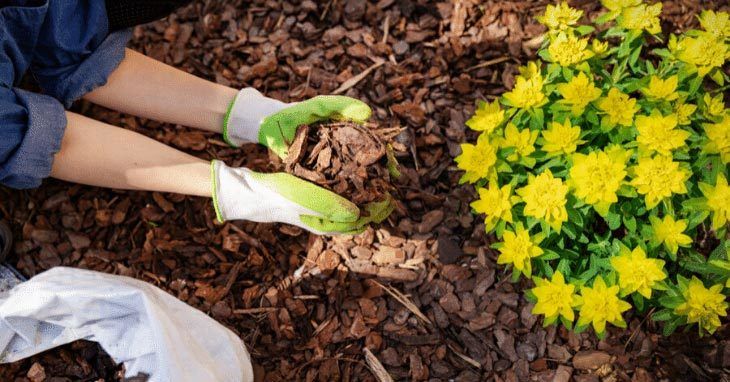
{"x":458,"y":319}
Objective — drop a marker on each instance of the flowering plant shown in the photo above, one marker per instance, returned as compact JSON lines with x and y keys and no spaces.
{"x":603,"y":172}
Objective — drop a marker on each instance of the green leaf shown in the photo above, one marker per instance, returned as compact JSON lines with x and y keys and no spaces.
{"x":662,"y":315}
{"x":549,"y":254}
{"x":630,"y":223}
{"x":696,"y":218}
{"x":717,"y":76}
{"x":613,"y":220}
{"x":584,"y":29}
{"x":564,"y":268}
{"x":671,"y":302}
{"x":672,"y":325}
{"x":638,"y":301}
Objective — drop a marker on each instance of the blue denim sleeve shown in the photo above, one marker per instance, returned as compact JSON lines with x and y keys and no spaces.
{"x":31,"y":129}
{"x":75,"y":52}
{"x":31,"y":125}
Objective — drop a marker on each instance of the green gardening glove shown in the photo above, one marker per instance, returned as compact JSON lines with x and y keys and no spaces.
{"x":253,"y":117}
{"x":239,"y":193}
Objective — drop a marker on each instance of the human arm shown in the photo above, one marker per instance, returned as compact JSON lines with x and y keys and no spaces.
{"x":98,"y":154}
{"x":147,"y":88}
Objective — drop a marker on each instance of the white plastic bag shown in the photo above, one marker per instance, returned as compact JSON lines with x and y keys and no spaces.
{"x":137,"y":324}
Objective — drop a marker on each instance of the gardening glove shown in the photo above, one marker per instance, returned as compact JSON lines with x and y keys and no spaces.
{"x":239,"y":193}
{"x":252,"y":117}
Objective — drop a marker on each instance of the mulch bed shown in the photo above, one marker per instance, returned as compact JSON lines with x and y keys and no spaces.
{"x":421,"y":292}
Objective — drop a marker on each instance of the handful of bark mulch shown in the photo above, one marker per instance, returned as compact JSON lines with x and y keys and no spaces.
{"x":351,"y":160}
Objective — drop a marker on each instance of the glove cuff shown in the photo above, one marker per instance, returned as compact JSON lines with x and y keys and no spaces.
{"x":245,"y":115}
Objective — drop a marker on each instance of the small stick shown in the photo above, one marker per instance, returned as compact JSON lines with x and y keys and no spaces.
{"x":376,"y":367}
{"x":354,"y":80}
{"x":254,"y":310}
{"x":489,"y":63}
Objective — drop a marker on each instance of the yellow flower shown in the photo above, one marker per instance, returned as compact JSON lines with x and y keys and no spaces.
{"x":619,"y":108}
{"x":486,"y":117}
{"x":597,"y":177}
{"x":718,"y":135}
{"x":684,"y":111}
{"x":560,"y":17}
{"x":532,"y":69}
{"x":477,"y":160}
{"x":578,"y":93}
{"x":714,"y":105}
{"x":716,"y":23}
{"x":522,"y":141}
{"x":527,"y":93}
{"x":600,"y":304}
{"x":718,"y":201}
{"x":658,"y":178}
{"x":662,"y":89}
{"x":567,"y":49}
{"x":495,"y":203}
{"x":636,"y":272}
{"x":618,"y":5}
{"x":599,"y":47}
{"x":617,"y":153}
{"x":658,"y":133}
{"x":702,"y":305}
{"x":669,"y":232}
{"x":555,"y":298}
{"x":642,"y":17}
{"x":561,"y":138}
{"x":544,"y":198}
{"x":518,"y":249}
{"x":703,"y":52}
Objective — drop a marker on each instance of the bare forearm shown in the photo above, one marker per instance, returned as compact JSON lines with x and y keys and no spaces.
{"x":148,"y":88}
{"x":98,"y":154}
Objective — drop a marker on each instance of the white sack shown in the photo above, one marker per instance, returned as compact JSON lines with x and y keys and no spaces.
{"x":137,"y":324}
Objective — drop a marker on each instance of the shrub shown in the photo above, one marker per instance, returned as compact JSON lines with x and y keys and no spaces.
{"x":603,"y":172}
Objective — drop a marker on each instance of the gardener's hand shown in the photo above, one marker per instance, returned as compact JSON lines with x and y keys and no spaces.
{"x":253,"y":117}
{"x":239,"y":193}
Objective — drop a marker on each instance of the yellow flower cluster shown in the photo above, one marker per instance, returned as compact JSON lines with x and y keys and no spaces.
{"x":486,"y":117}
{"x":659,"y":89}
{"x":527,"y":93}
{"x":477,"y":160}
{"x":658,"y":178}
{"x":578,"y":93}
{"x":703,"y":306}
{"x":555,"y":298}
{"x":669,"y":232}
{"x":496,"y":203}
{"x":659,"y":134}
{"x":545,"y":198}
{"x":705,"y":50}
{"x":597,"y":177}
{"x":560,"y":17}
{"x":718,"y":201}
{"x":567,"y":49}
{"x":518,"y":249}
{"x":598,"y":168}
{"x":618,"y":107}
{"x":636,"y":272}
{"x":522,"y":141}
{"x":718,"y":138}
{"x":642,"y":17}
{"x":600,"y":304}
{"x":561,"y":138}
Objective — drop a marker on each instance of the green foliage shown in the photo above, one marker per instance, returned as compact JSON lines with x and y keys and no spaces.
{"x":614,"y":159}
